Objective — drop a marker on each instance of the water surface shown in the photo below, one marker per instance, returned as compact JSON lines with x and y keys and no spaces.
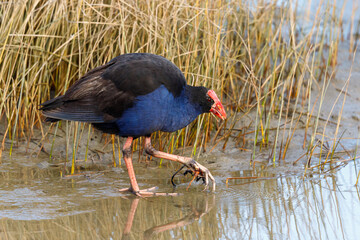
{"x":37,"y":203}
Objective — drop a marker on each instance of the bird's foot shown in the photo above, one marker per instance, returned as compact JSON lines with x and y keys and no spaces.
{"x":201,"y":172}
{"x":148,"y":192}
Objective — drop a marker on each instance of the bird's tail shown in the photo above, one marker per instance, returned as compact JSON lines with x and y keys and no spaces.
{"x":49,"y":106}
{"x":60,"y":108}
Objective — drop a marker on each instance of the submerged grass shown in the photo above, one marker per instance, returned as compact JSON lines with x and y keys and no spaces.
{"x":259,"y":58}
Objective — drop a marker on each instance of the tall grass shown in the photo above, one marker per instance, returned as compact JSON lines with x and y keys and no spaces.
{"x":258,"y":58}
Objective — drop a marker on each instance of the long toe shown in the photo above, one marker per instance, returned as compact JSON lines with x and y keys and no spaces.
{"x":204,"y":173}
{"x":148,"y":192}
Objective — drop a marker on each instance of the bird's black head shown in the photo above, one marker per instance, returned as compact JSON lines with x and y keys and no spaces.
{"x":203,"y":99}
{"x":207,"y":100}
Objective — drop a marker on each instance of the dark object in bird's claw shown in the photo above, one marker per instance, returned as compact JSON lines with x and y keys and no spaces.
{"x":189,"y":171}
{"x":172,"y":178}
{"x":197,"y":178}
{"x":201,"y":177}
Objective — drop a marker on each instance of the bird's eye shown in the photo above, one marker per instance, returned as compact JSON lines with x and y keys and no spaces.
{"x":208,"y":98}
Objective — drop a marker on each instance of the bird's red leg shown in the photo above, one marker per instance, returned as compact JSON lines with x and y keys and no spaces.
{"x":189,"y":162}
{"x":134,"y":187}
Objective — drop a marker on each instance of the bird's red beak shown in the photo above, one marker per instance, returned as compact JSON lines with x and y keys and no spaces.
{"x":217,"y":108}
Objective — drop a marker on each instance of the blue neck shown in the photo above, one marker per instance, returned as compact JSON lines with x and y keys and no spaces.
{"x":159,"y":110}
{"x":181,"y":113}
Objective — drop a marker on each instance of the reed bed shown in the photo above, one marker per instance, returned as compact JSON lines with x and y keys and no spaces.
{"x":260,"y":59}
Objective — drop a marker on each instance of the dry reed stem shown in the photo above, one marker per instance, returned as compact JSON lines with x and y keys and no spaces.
{"x":257,"y":58}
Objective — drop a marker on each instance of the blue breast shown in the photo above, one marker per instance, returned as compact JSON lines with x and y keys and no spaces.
{"x":159,"y":110}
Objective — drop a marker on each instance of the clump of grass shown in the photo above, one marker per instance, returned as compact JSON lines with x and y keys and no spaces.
{"x":258,"y":58}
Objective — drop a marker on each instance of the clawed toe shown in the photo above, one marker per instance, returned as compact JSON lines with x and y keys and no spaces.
{"x":197,"y":177}
{"x":198,"y":172}
{"x":203,"y":173}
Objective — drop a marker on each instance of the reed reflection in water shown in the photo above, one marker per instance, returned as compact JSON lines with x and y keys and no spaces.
{"x":35,"y":203}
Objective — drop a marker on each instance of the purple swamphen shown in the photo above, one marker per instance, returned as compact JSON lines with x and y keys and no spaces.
{"x":135,"y":95}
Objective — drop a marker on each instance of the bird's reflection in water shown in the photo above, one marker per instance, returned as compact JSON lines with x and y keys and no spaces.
{"x":200,"y":207}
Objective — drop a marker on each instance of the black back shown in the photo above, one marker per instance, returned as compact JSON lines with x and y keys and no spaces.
{"x":142,"y":73}
{"x":103,"y":94}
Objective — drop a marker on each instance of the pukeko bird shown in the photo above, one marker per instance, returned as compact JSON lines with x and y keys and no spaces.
{"x":135,"y":95}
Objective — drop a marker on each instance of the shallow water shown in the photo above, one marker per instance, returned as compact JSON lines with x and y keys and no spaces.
{"x":36,"y":203}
